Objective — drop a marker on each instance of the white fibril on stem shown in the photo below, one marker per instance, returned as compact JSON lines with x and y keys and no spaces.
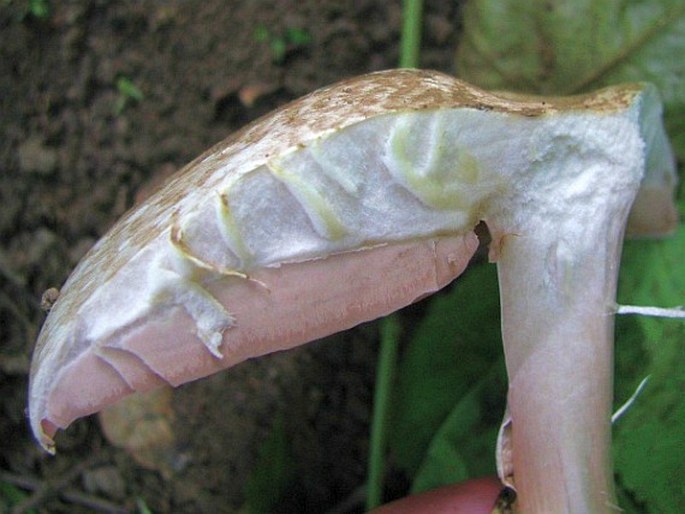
{"x":355,"y":201}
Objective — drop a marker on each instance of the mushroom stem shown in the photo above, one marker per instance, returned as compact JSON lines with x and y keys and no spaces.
{"x":558,"y":285}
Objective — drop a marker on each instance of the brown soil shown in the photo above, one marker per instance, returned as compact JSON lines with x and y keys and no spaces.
{"x":75,"y":153}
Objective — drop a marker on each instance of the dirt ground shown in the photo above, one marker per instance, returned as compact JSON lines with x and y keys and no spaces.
{"x":99,"y":100}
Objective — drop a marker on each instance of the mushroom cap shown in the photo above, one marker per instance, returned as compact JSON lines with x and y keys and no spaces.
{"x":338,"y":208}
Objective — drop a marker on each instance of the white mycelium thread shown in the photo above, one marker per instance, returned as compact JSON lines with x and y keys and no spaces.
{"x":658,"y":312}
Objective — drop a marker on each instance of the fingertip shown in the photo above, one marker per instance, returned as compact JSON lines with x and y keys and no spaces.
{"x":476,"y":496}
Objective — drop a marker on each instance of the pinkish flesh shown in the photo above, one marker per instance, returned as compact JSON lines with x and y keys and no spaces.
{"x":302,"y":301}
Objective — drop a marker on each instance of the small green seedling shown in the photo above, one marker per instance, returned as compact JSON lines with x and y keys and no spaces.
{"x":141,"y":504}
{"x":10,"y":496}
{"x":37,"y":9}
{"x":128,"y":93}
{"x":280,"y":44}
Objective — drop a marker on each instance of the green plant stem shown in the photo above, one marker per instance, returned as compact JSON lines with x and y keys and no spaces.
{"x":411,"y":33}
{"x":385,"y":372}
{"x":390,"y":326}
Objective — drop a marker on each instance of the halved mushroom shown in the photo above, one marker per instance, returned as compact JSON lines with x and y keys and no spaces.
{"x":359,"y":199}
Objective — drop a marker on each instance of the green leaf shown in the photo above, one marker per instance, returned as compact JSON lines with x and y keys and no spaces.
{"x":272,"y":475}
{"x":128,"y":92}
{"x":128,"y":89}
{"x":39,"y":8}
{"x":464,"y":446}
{"x":261,"y":33}
{"x":298,"y":37}
{"x":649,"y":442}
{"x":141,"y":504}
{"x":278,"y":49}
{"x":10,"y":496}
{"x":571,"y":46}
{"x":453,"y":348}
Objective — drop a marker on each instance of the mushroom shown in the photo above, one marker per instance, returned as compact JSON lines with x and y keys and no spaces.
{"x":357,"y":200}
